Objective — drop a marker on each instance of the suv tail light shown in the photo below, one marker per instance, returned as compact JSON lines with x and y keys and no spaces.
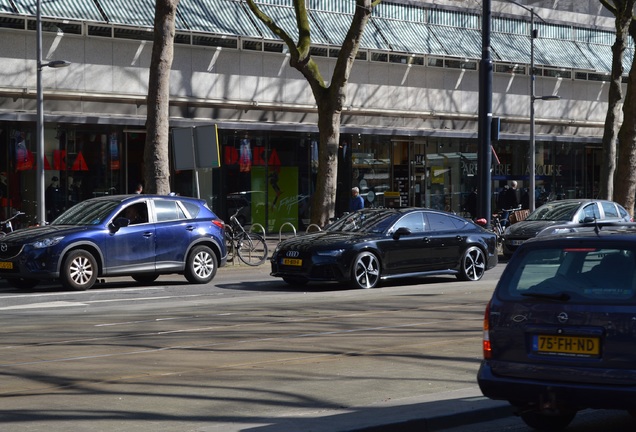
{"x":486,"y":342}
{"x":219,"y":223}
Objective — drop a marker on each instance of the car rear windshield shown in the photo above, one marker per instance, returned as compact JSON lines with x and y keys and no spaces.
{"x":555,"y":211}
{"x":587,"y":275}
{"x":366,"y":221}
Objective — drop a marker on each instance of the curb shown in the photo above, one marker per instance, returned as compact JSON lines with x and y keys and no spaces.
{"x":443,"y":422}
{"x":432,"y":412}
{"x":440,"y":411}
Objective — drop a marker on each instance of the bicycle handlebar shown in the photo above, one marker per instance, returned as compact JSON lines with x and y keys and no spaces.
{"x":19,"y":213}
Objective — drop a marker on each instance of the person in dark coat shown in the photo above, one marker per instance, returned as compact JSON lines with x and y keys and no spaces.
{"x":54,"y":199}
{"x":470,"y":205}
{"x":508,"y":201}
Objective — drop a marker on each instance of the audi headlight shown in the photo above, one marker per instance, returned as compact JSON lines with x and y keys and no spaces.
{"x":330,"y":253}
{"x":48,"y":242}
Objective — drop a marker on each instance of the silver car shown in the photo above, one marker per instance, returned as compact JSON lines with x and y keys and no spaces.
{"x":558,"y":213}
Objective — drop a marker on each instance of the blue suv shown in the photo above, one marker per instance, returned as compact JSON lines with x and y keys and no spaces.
{"x":141,"y":236}
{"x":560,"y":329}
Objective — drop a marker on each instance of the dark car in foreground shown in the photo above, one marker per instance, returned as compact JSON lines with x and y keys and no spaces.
{"x":561,"y":212}
{"x":560,"y":328}
{"x":371,"y":245}
{"x":141,"y":236}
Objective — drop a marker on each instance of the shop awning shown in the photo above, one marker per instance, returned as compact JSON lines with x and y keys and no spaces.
{"x":552,"y":52}
{"x":600,"y":56}
{"x":628,"y":58}
{"x":285,"y":17}
{"x":392,"y":27}
{"x":225,"y":17}
{"x":459,"y":42}
{"x":560,"y":53}
{"x":71,"y":9}
{"x":409,"y":37}
{"x":6,"y":7}
{"x":511,"y":48}
{"x":404,"y":28}
{"x":336,"y":25}
{"x":137,"y":12}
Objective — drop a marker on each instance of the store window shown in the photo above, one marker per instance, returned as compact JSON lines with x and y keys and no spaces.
{"x":562,"y":170}
{"x":17,"y":174}
{"x":268,"y":178}
{"x":370,"y":168}
{"x":452,"y":172}
{"x":80,"y":162}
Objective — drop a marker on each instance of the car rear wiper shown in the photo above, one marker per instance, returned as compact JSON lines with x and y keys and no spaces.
{"x":562,"y":296}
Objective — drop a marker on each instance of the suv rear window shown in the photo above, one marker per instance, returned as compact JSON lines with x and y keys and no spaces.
{"x":585,"y":275}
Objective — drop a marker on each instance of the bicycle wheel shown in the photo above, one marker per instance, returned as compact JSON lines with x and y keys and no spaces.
{"x":252,"y":249}
{"x":498,"y":231}
{"x":229,"y":243}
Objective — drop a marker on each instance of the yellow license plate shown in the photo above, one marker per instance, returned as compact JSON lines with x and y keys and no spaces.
{"x":292,"y":262}
{"x":567,"y":345}
{"x":6,"y":265}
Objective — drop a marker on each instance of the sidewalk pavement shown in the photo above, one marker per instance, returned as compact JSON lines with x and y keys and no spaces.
{"x":427,"y":413}
{"x":437,"y":412}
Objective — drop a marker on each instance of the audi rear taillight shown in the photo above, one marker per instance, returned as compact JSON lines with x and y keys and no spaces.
{"x":486,"y":342}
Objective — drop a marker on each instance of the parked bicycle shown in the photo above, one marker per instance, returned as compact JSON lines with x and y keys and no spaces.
{"x":250,"y":247}
{"x":6,"y":226}
{"x":506,"y":216}
{"x":496,"y":226}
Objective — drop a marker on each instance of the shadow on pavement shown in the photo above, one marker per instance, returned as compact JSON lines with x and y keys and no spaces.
{"x":425,"y":416}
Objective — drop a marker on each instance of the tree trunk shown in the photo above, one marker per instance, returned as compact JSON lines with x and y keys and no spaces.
{"x":623,"y":14}
{"x":625,"y":186}
{"x":329,"y":99}
{"x":324,"y":199}
{"x":156,"y":163}
{"x":610,"y":132}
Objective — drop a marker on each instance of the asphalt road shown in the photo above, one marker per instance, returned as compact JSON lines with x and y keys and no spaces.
{"x":246,"y":352}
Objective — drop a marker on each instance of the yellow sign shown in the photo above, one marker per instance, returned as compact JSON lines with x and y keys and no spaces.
{"x":438,"y":174}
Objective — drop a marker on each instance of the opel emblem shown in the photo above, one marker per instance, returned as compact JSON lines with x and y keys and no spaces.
{"x":292,"y":254}
{"x":563,"y":317}
{"x":3,"y":247}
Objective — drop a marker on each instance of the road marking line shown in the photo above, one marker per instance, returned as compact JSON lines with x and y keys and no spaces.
{"x":53,"y":304}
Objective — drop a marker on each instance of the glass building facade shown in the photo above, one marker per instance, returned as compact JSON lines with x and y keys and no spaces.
{"x":408,"y":136}
{"x":269,"y":176}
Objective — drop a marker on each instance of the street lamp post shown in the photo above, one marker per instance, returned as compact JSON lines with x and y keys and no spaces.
{"x":40,"y":186}
{"x":484,"y":154}
{"x":533,"y":97}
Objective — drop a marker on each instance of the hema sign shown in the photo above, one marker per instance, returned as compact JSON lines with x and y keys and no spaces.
{"x":195,"y":147}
